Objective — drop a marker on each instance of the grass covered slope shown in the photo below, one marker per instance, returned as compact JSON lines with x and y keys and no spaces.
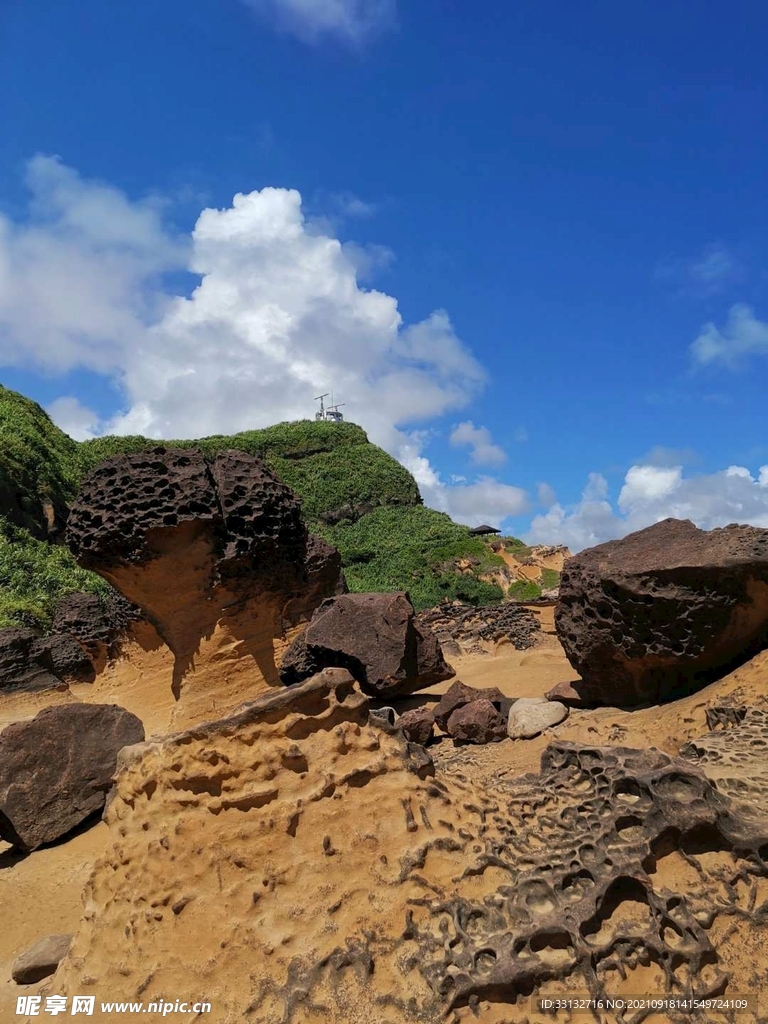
{"x":39,"y":465}
{"x":352,"y":493}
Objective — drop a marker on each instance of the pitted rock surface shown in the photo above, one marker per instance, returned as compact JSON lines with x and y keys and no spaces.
{"x":466,"y":627}
{"x":96,"y":622}
{"x":734,"y":756}
{"x":663,"y":611}
{"x":325,"y":578}
{"x":56,"y":770}
{"x":373,"y":636}
{"x":129,"y":502}
{"x":215,"y":554}
{"x":297,"y":837}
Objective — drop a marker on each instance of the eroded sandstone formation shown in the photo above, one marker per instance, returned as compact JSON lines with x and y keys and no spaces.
{"x":301,"y":862}
{"x":56,"y":770}
{"x":663,"y":611}
{"x":375,"y":637}
{"x":463,"y":628}
{"x":215,"y":554}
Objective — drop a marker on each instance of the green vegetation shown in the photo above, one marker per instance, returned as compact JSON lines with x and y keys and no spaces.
{"x":550,"y":579}
{"x":414,"y":549}
{"x":524,"y":590}
{"x":516,"y":547}
{"x":399,"y":545}
{"x":37,"y":459}
{"x":34,"y":575}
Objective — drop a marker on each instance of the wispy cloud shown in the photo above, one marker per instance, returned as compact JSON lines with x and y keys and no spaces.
{"x":708,"y":273}
{"x":353,"y":21}
{"x":742,"y":336}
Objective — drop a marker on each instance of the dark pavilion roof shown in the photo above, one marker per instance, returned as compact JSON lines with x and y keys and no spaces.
{"x":480,"y":530}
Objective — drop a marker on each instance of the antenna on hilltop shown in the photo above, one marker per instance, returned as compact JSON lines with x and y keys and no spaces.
{"x":321,"y":414}
{"x":331,"y":413}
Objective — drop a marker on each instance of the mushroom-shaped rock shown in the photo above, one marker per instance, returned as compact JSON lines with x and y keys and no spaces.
{"x":56,"y":770}
{"x":373,"y":636}
{"x":214,"y":552}
{"x":663,"y":611}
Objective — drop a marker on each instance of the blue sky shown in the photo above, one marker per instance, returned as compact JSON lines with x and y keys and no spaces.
{"x":525,"y":243}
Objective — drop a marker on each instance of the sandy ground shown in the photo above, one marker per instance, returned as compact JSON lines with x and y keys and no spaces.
{"x":42,"y":893}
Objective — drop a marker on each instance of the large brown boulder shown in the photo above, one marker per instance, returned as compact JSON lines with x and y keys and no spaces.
{"x":373,"y":636}
{"x":215,"y":554}
{"x":663,"y":611}
{"x":56,"y":770}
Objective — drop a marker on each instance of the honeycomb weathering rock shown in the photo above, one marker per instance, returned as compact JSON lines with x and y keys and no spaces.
{"x":323,"y":877}
{"x":130,"y":506}
{"x":663,"y":611}
{"x":215,"y":554}
{"x":56,"y":770}
{"x":375,"y":637}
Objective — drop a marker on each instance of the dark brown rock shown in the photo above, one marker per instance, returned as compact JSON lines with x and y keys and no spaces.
{"x":418,"y":725}
{"x":324,"y":578}
{"x":96,"y":621}
{"x":663,"y":611}
{"x":460,"y":694}
{"x":64,"y":657}
{"x":477,"y":722}
{"x":56,"y":769}
{"x":20,"y":666}
{"x":374,"y":637}
{"x":41,"y":959}
{"x":568,"y":694}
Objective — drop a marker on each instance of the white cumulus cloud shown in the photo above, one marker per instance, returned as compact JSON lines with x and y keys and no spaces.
{"x":483,"y":452}
{"x":650,"y":494}
{"x":278,"y":316}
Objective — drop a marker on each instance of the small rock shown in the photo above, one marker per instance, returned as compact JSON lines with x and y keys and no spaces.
{"x":417,"y":725}
{"x":40,"y":960}
{"x":478,"y":722}
{"x":457,"y":696}
{"x":568,"y":694}
{"x":531,"y":715}
{"x":389,"y":715}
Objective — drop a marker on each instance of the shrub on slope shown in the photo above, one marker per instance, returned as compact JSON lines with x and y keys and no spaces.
{"x":39,"y":464}
{"x":414,"y":549}
{"x":34,"y":575}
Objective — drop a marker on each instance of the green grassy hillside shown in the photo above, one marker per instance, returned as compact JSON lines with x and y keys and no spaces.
{"x":387,"y":538}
